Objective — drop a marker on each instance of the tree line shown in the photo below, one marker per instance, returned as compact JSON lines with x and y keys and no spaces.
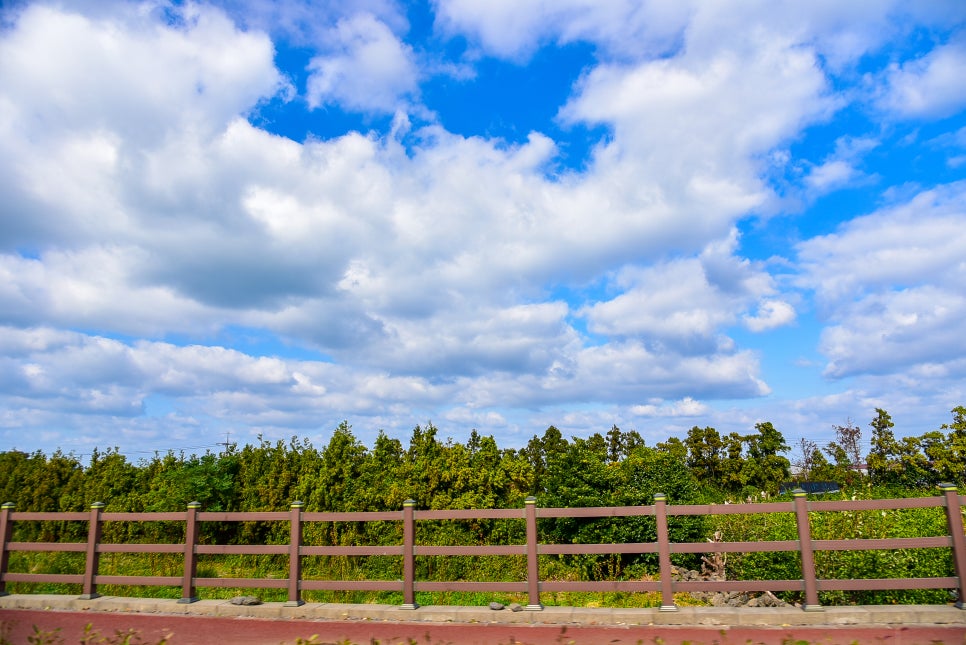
{"x":613,"y":468}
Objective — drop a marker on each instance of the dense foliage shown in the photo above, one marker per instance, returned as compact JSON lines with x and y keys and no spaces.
{"x":611,"y":469}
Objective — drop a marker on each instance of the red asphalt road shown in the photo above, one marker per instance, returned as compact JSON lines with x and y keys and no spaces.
{"x":16,"y":625}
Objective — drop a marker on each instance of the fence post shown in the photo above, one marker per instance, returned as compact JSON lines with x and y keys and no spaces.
{"x":294,"y":557}
{"x":805,"y":547}
{"x":409,"y":556}
{"x":954,"y":519}
{"x":6,"y":533}
{"x":188,"y":593}
{"x":89,"y":591}
{"x":533,"y":562}
{"x":664,"y":553}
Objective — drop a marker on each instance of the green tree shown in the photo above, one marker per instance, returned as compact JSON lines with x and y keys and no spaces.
{"x":952,"y":468}
{"x":337,"y":482}
{"x":733,"y":469}
{"x":110,"y":478}
{"x":385,"y":487}
{"x":583,"y":476}
{"x":883,"y":459}
{"x":540,"y":451}
{"x":616,"y":445}
{"x":423,"y":466}
{"x":706,"y":454}
{"x":171,"y":482}
{"x":822,"y":470}
{"x":914,"y":470}
{"x":765,"y":468}
{"x":675,"y":447}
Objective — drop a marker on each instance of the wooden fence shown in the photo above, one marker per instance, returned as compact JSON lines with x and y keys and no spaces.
{"x":296,"y":550}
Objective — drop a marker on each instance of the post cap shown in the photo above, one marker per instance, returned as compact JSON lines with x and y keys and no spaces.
{"x":944,"y":486}
{"x":9,"y":505}
{"x":298,"y":504}
{"x":194,"y":504}
{"x":798,"y":492}
{"x":530,"y":500}
{"x":660,"y":497}
{"x":409,"y":502}
{"x":98,"y":505}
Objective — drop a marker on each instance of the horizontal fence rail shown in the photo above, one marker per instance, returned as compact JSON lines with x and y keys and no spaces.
{"x":296,"y":550}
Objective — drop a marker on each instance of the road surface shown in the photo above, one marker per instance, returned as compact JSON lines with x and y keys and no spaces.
{"x":17,"y":625}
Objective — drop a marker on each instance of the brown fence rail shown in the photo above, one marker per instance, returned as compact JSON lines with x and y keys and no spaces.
{"x":296,"y":550}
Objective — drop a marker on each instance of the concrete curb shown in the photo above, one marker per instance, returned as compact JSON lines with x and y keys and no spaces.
{"x":906,"y":615}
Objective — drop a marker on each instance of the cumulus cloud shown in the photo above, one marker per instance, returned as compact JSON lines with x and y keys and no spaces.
{"x":891,"y":285}
{"x":684,"y":304}
{"x":686,"y":407}
{"x":121,"y":73}
{"x":366,"y":68}
{"x":910,"y":329}
{"x":830,"y":175}
{"x":428,"y":272}
{"x":92,"y":288}
{"x":700,"y":124}
{"x":930,"y":86}
{"x":513,"y":30}
{"x":912,"y":243}
{"x":842,"y":32}
{"x":770,"y":315}
{"x":306,"y":22}
{"x":76,"y":373}
{"x":90,"y":101}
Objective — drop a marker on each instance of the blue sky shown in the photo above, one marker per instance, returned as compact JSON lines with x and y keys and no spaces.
{"x":248,"y":218}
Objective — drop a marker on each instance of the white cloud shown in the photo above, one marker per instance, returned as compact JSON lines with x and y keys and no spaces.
{"x":684,"y":303}
{"x":122,"y":73}
{"x":514,"y":30}
{"x":426,"y":266}
{"x":841,"y":168}
{"x":287,"y":234}
{"x":306,"y":22}
{"x":366,"y":68}
{"x":421,"y":271}
{"x":930,"y":86}
{"x":907,"y":329}
{"x":771,"y":314}
{"x":913,"y":243}
{"x":64,"y":374}
{"x":90,"y":100}
{"x":470,"y":340}
{"x":841,"y":31}
{"x":891,"y":285}
{"x":700,"y":125}
{"x":829,"y":175}
{"x":686,"y":407}
{"x":70,"y":372}
{"x":91,"y":288}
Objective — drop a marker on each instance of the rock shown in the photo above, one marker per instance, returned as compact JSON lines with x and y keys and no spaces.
{"x":496,"y":606}
{"x":724,"y":598}
{"x":768,"y":599}
{"x":246,"y":600}
{"x":515,"y":606}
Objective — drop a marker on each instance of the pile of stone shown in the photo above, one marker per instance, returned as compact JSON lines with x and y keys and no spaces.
{"x":726,"y":598}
